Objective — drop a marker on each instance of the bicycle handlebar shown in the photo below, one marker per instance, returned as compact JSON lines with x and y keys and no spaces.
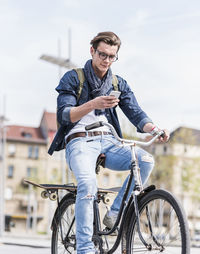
{"x":123,"y":141}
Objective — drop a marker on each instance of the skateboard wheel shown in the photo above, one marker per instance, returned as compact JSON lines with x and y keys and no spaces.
{"x":106,"y":200}
{"x":44,"y":194}
{"x":53,"y":196}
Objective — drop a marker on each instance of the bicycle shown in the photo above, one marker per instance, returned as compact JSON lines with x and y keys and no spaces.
{"x":151,"y":220}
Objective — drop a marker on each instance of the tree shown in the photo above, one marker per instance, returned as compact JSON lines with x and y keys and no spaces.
{"x":163,"y":171}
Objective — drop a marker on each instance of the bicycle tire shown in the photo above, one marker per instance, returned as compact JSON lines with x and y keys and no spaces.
{"x":168,"y":222}
{"x":63,"y":241}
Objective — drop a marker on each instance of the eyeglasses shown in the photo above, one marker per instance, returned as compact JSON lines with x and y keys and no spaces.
{"x":104,"y":56}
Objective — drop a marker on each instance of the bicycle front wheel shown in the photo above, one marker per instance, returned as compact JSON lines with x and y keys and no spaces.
{"x":64,"y":231}
{"x":163,"y":226}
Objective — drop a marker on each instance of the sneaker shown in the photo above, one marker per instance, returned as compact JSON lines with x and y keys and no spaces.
{"x":109,"y":221}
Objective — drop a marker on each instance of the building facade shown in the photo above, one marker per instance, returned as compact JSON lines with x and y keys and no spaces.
{"x":177,"y":169}
{"x":26,"y":157}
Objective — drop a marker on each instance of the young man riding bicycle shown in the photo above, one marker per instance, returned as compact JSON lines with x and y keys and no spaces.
{"x":83,"y":148}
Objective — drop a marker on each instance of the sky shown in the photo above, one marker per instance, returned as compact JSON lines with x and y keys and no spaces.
{"x":159,"y":56}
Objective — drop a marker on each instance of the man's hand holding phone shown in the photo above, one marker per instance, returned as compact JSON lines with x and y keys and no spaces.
{"x":115,"y":93}
{"x":109,"y":101}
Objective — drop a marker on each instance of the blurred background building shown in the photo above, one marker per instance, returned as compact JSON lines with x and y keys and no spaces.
{"x":177,"y":169}
{"x":26,"y":157}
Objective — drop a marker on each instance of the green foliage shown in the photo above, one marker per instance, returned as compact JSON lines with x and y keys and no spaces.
{"x":130,"y":136}
{"x":163,"y":171}
{"x":191,"y":177}
{"x":184,"y":136}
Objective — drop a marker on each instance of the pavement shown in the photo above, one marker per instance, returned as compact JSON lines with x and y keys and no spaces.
{"x":35,"y":241}
{"x":44,"y":241}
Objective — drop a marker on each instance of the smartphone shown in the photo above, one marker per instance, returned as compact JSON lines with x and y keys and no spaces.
{"x":115,"y":93}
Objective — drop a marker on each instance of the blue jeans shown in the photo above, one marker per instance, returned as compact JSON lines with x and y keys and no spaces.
{"x":81,"y":156}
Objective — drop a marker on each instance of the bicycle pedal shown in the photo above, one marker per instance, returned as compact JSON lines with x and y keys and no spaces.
{"x":115,"y":233}
{"x":73,"y":237}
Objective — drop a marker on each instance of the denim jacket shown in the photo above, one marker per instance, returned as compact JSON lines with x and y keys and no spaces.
{"x":67,"y":98}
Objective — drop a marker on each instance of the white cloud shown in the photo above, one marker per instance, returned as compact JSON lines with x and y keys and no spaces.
{"x":71,"y":3}
{"x":159,"y":55}
{"x":139,"y":19}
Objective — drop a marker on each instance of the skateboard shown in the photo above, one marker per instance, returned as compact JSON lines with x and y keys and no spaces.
{"x":51,"y":190}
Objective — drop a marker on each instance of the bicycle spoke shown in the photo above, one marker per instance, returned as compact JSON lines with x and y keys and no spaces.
{"x":64,"y":233}
{"x":163,"y":227}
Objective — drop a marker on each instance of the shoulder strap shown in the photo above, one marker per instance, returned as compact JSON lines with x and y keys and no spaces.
{"x":81,"y":78}
{"x":115,"y":82}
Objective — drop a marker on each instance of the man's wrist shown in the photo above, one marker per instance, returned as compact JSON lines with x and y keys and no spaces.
{"x":90,"y":105}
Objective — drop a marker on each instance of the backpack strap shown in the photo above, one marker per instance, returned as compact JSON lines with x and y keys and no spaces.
{"x":81,"y":78}
{"x":115,"y":82}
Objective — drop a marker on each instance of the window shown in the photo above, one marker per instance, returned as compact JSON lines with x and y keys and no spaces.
{"x":33,"y":152}
{"x":54,"y":174}
{"x":26,"y":134}
{"x":31,"y":172}
{"x":10,"y":171}
{"x":30,"y":151}
{"x":165,"y":149}
{"x":28,"y":172}
{"x":8,"y":193}
{"x":36,"y":152}
{"x":11,"y":149}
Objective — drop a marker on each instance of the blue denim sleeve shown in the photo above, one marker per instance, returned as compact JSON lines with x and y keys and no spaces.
{"x":129,"y":105}
{"x":67,"y":97}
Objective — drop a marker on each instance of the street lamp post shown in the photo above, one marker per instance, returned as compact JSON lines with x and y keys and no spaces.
{"x":2,"y":174}
{"x":62,"y":63}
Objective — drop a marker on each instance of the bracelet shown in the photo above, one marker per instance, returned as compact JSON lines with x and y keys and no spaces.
{"x":154,"y":130}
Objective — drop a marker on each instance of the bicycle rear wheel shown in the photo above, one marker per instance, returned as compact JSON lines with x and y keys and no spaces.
{"x":163,"y":225}
{"x":64,"y":231}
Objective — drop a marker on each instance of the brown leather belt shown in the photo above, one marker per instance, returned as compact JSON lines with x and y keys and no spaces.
{"x":86,"y":134}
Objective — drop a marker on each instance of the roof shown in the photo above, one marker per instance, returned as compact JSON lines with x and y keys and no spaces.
{"x":49,"y":119}
{"x":186,"y":135}
{"x":24,"y":134}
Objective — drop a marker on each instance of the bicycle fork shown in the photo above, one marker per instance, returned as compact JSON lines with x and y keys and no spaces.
{"x":137,"y":190}
{"x":148,"y":246}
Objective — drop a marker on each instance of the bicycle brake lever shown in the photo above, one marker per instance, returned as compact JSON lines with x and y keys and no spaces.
{"x":162,"y":134}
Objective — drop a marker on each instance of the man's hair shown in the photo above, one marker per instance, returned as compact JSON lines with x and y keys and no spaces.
{"x":107,"y":37}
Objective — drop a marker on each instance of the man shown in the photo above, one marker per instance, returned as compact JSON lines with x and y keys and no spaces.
{"x":83,"y":148}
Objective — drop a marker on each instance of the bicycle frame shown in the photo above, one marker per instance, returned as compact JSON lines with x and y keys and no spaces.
{"x":126,"y":204}
{"x":125,"y":207}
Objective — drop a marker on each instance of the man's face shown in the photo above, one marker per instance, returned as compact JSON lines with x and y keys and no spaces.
{"x":99,"y":64}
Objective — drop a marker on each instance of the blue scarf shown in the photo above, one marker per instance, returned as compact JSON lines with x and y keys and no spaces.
{"x":99,"y":87}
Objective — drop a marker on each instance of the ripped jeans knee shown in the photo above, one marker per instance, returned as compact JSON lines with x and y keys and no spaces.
{"x":146,"y":164}
{"x":89,"y":196}
{"x":87,"y":189}
{"x":147,"y":158}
